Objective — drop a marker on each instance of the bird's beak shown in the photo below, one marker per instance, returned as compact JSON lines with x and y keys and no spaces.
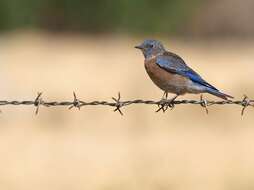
{"x":139,"y":47}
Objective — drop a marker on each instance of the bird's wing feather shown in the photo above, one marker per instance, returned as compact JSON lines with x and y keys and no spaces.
{"x":174,"y":64}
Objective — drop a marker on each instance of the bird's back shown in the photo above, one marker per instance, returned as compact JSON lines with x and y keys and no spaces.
{"x":173,"y":63}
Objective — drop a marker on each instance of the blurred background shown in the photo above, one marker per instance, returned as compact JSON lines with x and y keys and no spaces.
{"x":61,"y":46}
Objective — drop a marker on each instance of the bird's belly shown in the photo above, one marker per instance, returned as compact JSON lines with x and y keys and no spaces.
{"x":166,"y":81}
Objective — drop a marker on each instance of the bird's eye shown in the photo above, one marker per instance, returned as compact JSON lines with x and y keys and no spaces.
{"x":151,"y":46}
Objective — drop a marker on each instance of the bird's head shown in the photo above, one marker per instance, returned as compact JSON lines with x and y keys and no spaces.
{"x":151,"y":48}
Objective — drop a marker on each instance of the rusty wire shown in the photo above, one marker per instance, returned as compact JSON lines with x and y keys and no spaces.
{"x":117,"y":103}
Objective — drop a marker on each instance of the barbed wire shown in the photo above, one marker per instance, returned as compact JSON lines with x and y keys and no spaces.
{"x":117,"y":103}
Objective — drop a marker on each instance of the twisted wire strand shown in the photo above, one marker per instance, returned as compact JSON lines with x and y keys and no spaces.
{"x":118,"y":103}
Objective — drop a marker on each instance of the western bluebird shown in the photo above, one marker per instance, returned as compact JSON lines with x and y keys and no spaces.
{"x":171,"y":74}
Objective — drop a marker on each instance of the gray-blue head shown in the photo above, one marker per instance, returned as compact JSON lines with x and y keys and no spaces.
{"x":151,"y":48}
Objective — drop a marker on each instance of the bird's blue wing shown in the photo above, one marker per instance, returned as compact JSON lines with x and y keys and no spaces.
{"x":175,"y":64}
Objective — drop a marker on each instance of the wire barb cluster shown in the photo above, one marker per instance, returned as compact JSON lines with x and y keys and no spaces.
{"x":118,"y":103}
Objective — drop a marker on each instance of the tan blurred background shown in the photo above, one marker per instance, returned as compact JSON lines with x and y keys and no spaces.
{"x":98,"y":149}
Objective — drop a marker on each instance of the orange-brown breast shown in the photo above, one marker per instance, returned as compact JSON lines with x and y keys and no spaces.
{"x":165,"y":80}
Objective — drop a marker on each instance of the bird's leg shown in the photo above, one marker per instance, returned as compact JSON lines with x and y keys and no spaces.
{"x":168,"y":103}
{"x":172,"y":100}
{"x":164,"y":94}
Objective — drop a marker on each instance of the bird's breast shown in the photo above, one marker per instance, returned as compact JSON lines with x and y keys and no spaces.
{"x":165,"y":80}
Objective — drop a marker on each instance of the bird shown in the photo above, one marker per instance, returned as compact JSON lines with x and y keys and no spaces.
{"x":171,"y":74}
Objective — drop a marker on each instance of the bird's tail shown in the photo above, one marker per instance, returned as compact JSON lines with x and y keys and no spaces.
{"x":218,"y":94}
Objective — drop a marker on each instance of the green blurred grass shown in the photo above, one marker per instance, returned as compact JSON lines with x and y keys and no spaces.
{"x":129,"y":16}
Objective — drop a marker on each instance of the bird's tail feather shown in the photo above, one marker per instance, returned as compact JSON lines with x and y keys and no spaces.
{"x":218,"y":94}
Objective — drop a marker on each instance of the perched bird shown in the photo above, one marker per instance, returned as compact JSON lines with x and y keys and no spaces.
{"x":171,"y":74}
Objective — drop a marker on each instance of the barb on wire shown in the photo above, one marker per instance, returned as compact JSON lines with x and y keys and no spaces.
{"x":245,"y":103}
{"x":37,"y":102}
{"x":203,"y":103}
{"x":118,"y":104}
{"x":76,"y":103}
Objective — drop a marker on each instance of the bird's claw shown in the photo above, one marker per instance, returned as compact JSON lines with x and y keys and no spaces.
{"x":165,"y":104}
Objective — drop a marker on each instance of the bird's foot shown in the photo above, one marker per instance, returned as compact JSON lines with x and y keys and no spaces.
{"x":164,"y":104}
